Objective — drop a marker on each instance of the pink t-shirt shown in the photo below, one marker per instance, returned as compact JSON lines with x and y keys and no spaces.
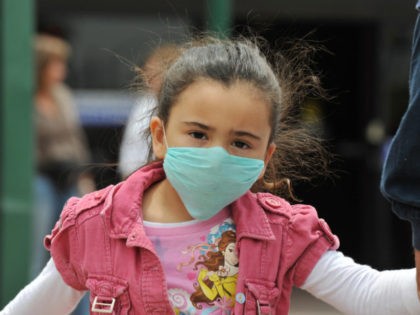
{"x":200,"y":263}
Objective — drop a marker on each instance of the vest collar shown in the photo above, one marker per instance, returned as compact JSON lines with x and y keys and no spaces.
{"x":123,"y":219}
{"x":250,"y":218}
{"x":122,"y":210}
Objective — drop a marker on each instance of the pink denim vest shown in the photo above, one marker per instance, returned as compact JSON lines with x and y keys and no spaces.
{"x":99,"y":244}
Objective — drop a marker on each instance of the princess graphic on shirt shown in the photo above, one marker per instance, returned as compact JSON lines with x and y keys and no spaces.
{"x":218,"y":273}
{"x":210,"y":267}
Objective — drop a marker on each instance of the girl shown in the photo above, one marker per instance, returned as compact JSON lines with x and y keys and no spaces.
{"x":221,"y":114}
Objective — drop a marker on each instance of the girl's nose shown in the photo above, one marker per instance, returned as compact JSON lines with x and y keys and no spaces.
{"x":220,"y":143}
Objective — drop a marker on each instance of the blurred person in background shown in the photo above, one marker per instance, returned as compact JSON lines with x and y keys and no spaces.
{"x":135,"y":144}
{"x":400,"y":182}
{"x":61,"y":146}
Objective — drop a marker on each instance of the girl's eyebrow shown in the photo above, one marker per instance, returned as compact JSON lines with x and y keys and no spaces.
{"x":241,"y":133}
{"x":197,"y":124}
{"x":238,"y":133}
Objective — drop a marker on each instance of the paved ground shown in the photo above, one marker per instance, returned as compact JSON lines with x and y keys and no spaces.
{"x":305,"y":304}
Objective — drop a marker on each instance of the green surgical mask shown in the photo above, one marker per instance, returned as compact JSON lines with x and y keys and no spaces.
{"x":208,"y":179}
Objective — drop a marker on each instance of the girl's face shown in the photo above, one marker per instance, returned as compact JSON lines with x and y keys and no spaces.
{"x":208,"y":114}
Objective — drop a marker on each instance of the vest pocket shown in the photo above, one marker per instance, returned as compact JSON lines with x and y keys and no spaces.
{"x":108,"y":295}
{"x":261,"y":297}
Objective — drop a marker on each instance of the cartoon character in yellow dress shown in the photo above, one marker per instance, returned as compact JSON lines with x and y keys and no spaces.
{"x":217,"y":280}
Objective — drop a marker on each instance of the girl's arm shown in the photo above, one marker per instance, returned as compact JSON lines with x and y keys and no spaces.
{"x":47,"y":294}
{"x":358,"y":289}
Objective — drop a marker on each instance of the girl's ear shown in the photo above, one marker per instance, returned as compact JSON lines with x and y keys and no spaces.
{"x":270,"y":151}
{"x":158,"y":137}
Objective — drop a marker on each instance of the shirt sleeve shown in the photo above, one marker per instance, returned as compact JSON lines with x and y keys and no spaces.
{"x":47,"y":294}
{"x":400,"y":182}
{"x":358,"y":289}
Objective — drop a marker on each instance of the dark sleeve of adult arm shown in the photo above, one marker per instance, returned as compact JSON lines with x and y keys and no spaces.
{"x":400,"y":182}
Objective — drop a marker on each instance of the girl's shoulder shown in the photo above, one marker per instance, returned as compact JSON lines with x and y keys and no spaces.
{"x":90,"y":200}
{"x":79,"y":206}
{"x":301,"y":219}
{"x":280,"y":206}
{"x":79,"y":231}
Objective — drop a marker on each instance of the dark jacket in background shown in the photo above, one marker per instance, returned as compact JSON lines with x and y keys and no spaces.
{"x":400,"y":182}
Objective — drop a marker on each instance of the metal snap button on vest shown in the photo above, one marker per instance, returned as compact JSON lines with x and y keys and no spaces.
{"x":240,"y":298}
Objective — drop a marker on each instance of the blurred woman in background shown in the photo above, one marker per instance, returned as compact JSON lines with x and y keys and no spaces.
{"x":61,"y":146}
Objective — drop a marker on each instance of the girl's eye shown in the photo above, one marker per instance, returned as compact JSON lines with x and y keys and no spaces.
{"x":240,"y":145}
{"x":198,"y":135}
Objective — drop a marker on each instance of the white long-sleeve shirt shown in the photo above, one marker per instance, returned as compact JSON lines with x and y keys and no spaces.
{"x":336,"y":279}
{"x":361,"y":290}
{"x":47,"y":294}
